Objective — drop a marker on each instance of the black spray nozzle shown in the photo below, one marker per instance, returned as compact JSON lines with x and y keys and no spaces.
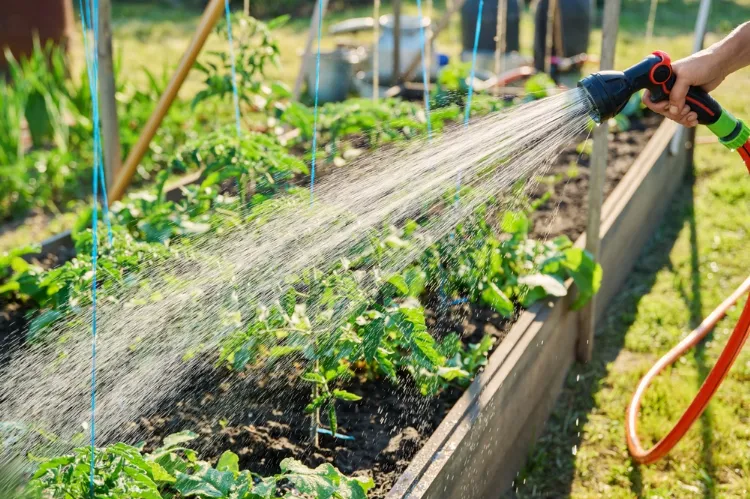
{"x":609,"y":91}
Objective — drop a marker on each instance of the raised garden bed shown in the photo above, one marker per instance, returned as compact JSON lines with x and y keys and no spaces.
{"x":393,"y":423}
{"x":483,"y":441}
{"x":264,"y":422}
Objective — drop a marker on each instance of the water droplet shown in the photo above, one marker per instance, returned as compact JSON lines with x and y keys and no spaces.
{"x":578,"y":378}
{"x":576,"y":421}
{"x":575,"y":450}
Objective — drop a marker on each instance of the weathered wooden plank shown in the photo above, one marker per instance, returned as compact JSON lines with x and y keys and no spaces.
{"x":484,"y":440}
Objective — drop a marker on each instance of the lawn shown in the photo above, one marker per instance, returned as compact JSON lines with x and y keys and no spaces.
{"x":698,"y":257}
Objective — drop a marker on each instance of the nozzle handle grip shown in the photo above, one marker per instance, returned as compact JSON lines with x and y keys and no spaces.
{"x":705,"y":106}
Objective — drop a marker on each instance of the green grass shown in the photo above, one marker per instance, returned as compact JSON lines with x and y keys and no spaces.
{"x":697,"y":258}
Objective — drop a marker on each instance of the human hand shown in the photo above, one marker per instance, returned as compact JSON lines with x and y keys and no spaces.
{"x":703,"y":69}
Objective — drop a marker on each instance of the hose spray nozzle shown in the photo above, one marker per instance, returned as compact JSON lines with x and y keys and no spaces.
{"x":609,"y":91}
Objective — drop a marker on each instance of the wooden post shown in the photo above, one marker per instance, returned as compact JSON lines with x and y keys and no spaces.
{"x":439,"y":27}
{"x":247,"y":8}
{"x":598,"y":166}
{"x":549,"y":39}
{"x":396,"y":72}
{"x":651,"y":21}
{"x":213,"y":10}
{"x":376,"y":52}
{"x":428,"y":46}
{"x":311,"y":35}
{"x":107,"y":103}
{"x":701,"y":23}
{"x":500,"y":36}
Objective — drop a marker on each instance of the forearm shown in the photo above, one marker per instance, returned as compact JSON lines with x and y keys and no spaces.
{"x":734,"y":50}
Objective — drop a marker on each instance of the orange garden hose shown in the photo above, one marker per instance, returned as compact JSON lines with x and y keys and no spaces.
{"x":707,"y":390}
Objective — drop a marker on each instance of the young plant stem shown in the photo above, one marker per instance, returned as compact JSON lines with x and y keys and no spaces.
{"x":315,"y":416}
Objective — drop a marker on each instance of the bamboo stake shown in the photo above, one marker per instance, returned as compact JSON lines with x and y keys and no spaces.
{"x":549,"y":39}
{"x":585,"y":347}
{"x":500,"y":40}
{"x":396,"y":71}
{"x":701,"y":24}
{"x":428,"y":45}
{"x":108,"y":104}
{"x":439,"y":27}
{"x":651,"y":21}
{"x":207,"y":22}
{"x":376,"y":52}
{"x":311,"y":35}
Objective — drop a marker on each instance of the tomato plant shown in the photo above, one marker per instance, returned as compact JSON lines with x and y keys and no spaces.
{"x":174,"y":470}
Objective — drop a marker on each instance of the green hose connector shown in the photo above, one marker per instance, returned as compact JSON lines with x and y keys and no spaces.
{"x":733,"y":133}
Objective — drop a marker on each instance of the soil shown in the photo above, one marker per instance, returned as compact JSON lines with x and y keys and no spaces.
{"x":566,"y":211}
{"x":264,"y":421}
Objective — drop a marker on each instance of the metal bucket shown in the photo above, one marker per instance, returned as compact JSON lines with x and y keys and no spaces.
{"x":410,"y":46}
{"x":336,"y":73}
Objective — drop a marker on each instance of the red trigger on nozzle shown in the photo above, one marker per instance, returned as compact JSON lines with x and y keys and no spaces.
{"x":665,"y":62}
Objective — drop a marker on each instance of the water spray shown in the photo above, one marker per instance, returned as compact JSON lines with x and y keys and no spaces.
{"x":608,"y":92}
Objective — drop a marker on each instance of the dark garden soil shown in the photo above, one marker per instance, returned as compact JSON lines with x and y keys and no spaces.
{"x":262,"y":418}
{"x":567,"y":209}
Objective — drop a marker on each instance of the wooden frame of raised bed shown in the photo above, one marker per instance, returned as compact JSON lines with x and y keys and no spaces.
{"x":484,"y":440}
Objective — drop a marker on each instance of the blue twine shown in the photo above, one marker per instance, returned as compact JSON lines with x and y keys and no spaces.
{"x":477,"y":31}
{"x":234,"y":70}
{"x":425,"y":81}
{"x":88,"y":16}
{"x":315,"y":110}
{"x":467,"y":114}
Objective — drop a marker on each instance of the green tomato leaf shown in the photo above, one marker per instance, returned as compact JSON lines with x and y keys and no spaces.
{"x":398,"y":281}
{"x":551,"y":285}
{"x":344,"y":395}
{"x":229,"y":461}
{"x":499,"y":301}
{"x":176,"y":439}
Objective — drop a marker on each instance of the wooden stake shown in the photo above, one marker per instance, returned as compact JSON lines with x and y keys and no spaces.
{"x":651,"y":21}
{"x":439,"y":27}
{"x":312,"y":34}
{"x":213,"y":10}
{"x":107,"y":102}
{"x":247,"y":8}
{"x":549,"y":39}
{"x":598,"y":167}
{"x":396,"y":72}
{"x":376,"y":52}
{"x":428,"y":46}
{"x":500,"y":40}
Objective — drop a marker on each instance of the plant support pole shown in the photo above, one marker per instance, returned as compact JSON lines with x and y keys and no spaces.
{"x":107,"y":102}
{"x":700,"y":34}
{"x":396,"y":72}
{"x":429,"y":8}
{"x":585,"y":346}
{"x":439,"y":27}
{"x":500,"y":38}
{"x":376,"y":51}
{"x":549,"y":39}
{"x":311,"y":35}
{"x":213,"y":10}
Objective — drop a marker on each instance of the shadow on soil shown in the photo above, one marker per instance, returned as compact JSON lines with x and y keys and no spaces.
{"x":550,"y":468}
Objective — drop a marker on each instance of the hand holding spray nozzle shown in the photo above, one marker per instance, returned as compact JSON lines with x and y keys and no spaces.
{"x":609,"y":91}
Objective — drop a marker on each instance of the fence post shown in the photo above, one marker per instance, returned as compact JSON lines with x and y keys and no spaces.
{"x":587,"y":325}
